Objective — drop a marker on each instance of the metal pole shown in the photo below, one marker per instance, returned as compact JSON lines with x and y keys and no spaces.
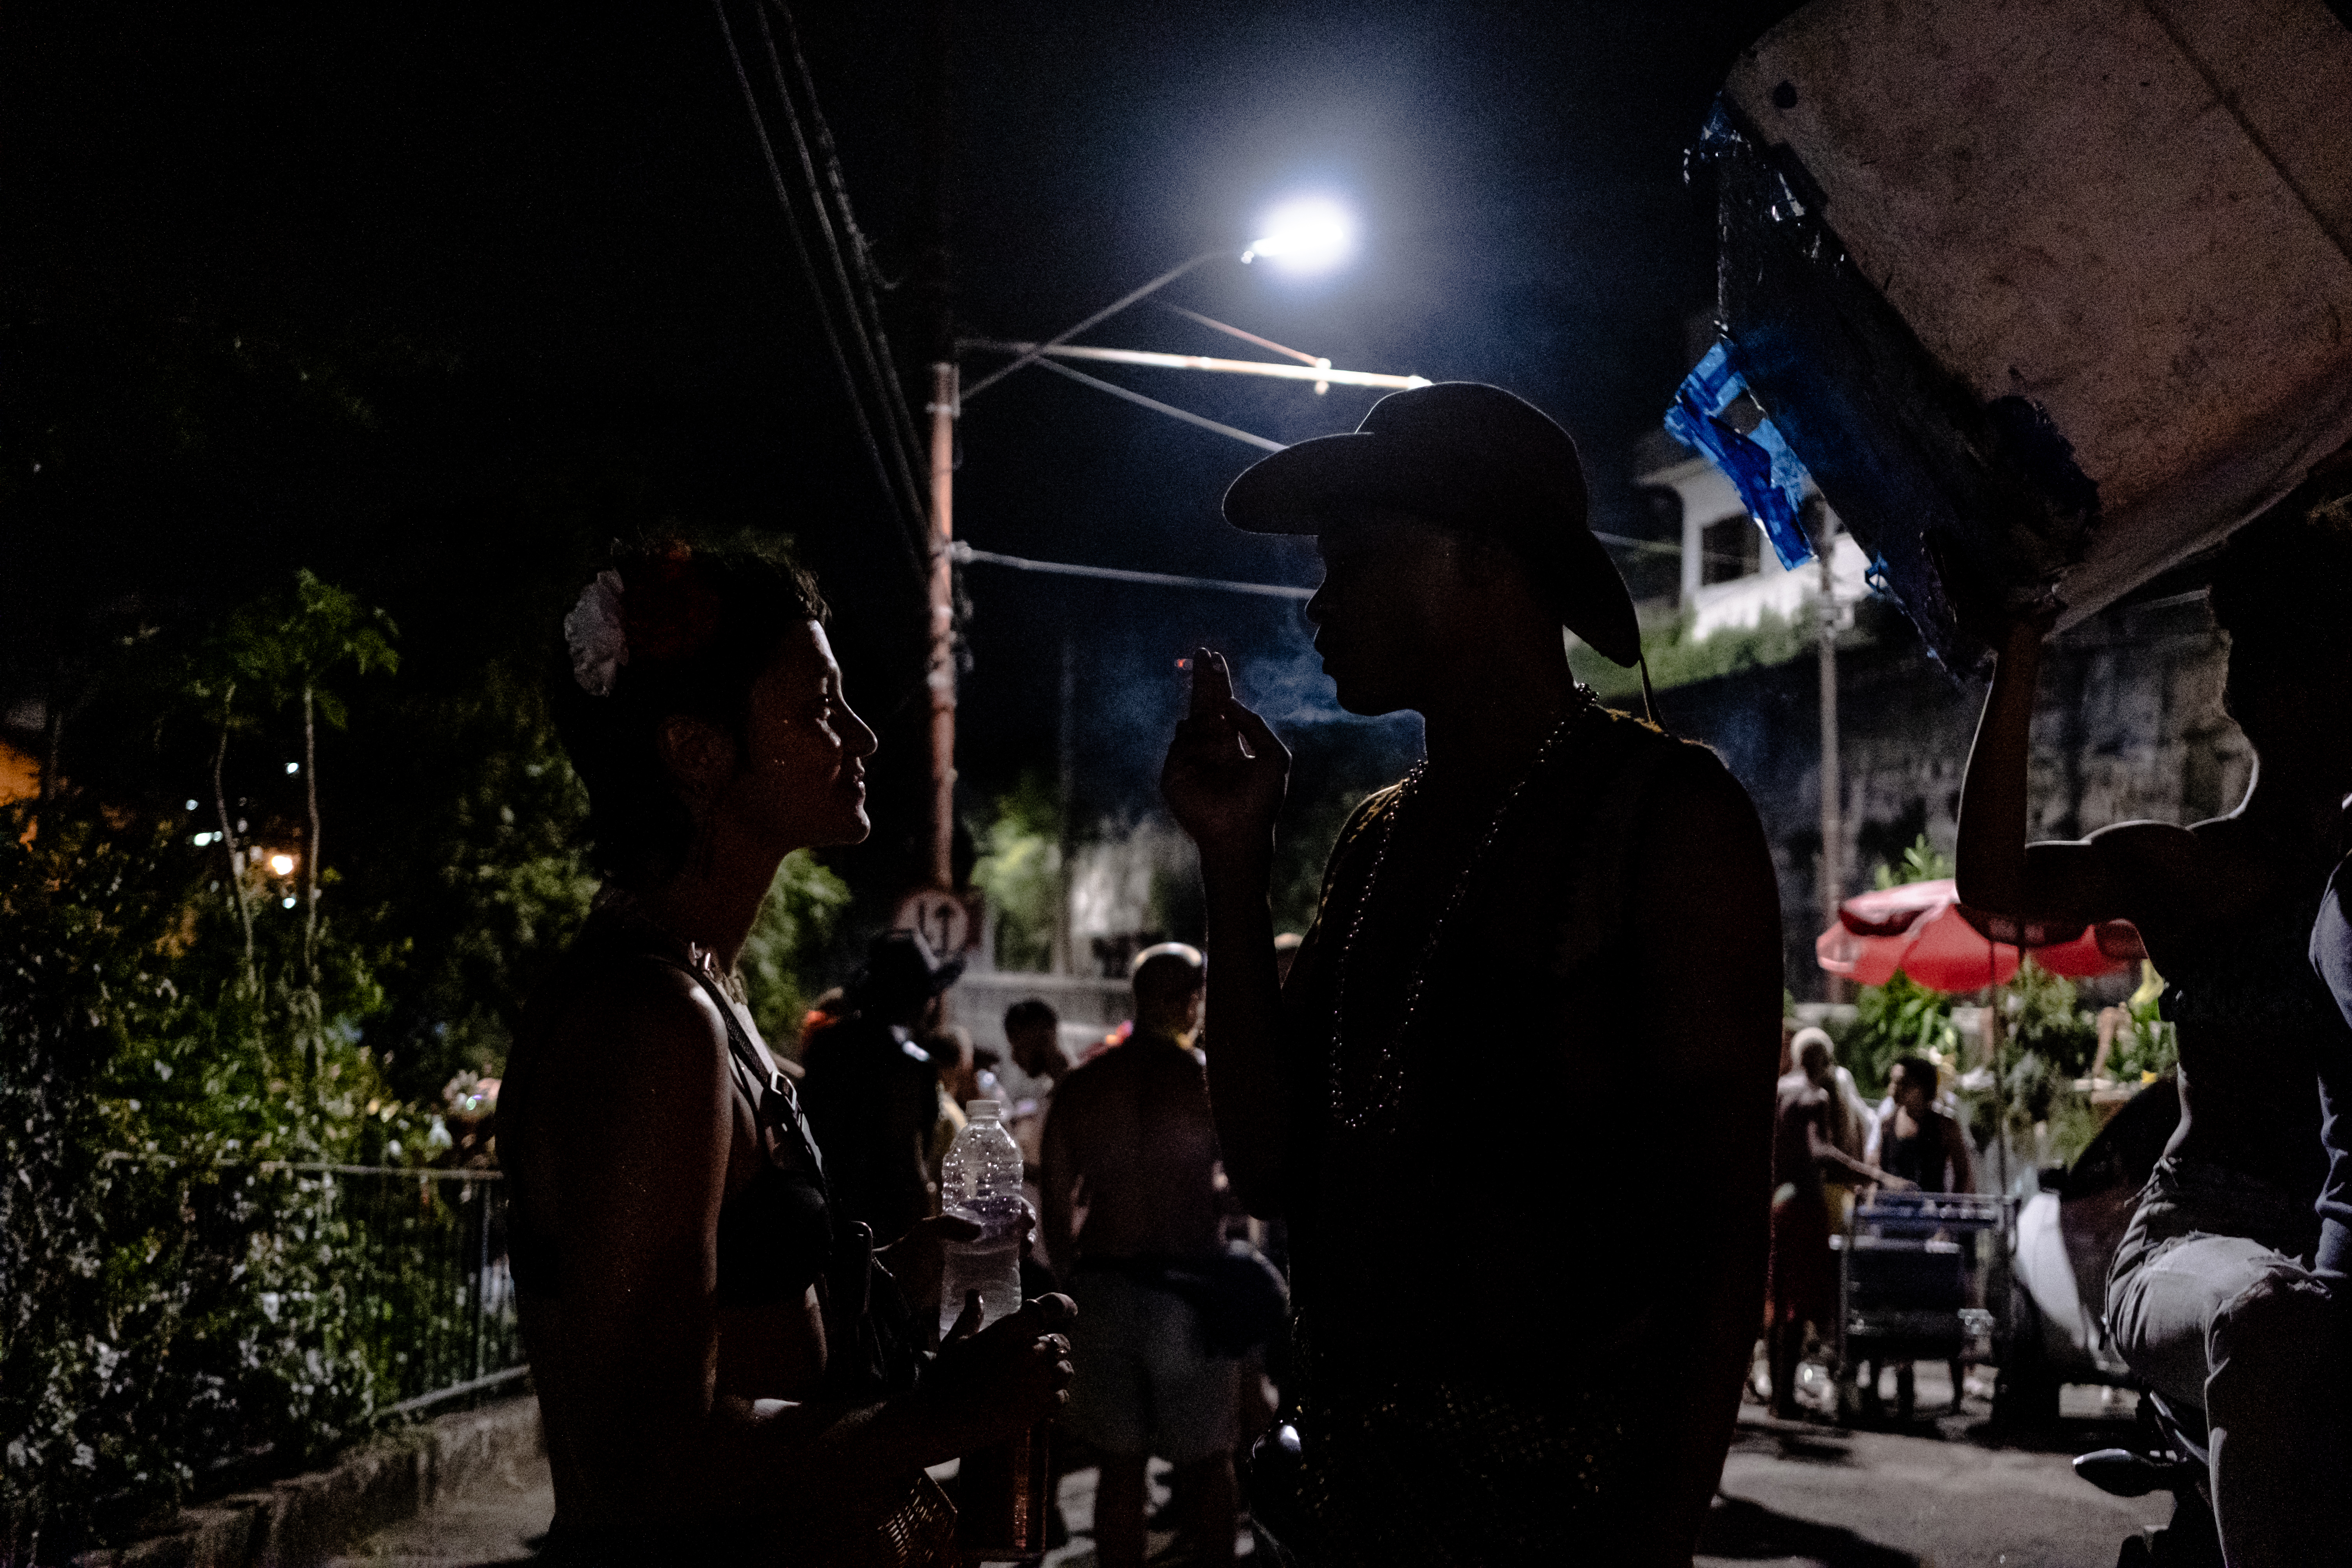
{"x":939,"y":289}
{"x":480,"y":1195}
{"x":1833,"y":785}
{"x":1067,"y":784}
{"x":942,"y":677}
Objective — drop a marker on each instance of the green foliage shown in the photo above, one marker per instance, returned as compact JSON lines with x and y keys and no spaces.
{"x":1899,"y":1018}
{"x":1922,"y":862}
{"x":2047,"y":1043}
{"x":2150,"y":1046}
{"x":475,"y":885}
{"x":170,"y":1041}
{"x":1678,"y":657}
{"x":285,"y":646}
{"x":168,"y":1301}
{"x":795,"y":923}
{"x":1020,"y":869}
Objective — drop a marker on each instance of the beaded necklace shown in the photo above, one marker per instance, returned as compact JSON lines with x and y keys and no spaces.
{"x":1379,"y":1106}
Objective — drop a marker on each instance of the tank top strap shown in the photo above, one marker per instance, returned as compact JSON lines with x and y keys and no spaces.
{"x":775,"y":1105}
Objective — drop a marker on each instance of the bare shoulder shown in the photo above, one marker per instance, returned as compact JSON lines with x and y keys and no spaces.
{"x":640,"y":1018}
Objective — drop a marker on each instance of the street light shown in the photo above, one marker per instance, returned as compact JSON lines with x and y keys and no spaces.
{"x":1310,"y":234}
{"x":1304,"y":235}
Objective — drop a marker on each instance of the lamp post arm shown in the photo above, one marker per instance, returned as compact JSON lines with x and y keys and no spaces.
{"x":1321,"y":374}
{"x":1165,"y":278}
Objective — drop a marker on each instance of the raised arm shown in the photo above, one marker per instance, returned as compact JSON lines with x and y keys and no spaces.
{"x":2059,"y":885}
{"x":1708,"y":919}
{"x":2051,"y":889}
{"x":1224,"y":781}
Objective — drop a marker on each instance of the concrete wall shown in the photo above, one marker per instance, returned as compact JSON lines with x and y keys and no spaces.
{"x":2128,"y":725}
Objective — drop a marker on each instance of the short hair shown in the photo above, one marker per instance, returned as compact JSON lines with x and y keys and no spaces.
{"x":700,"y":627}
{"x":1916,"y":1069}
{"x":1035,"y":1013}
{"x":1170,"y":969}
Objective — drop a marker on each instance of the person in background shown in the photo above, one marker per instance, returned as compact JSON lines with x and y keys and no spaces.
{"x":1849,"y":1114}
{"x":2207,"y":1299}
{"x":1130,"y":1141}
{"x":824,"y":1010}
{"x":1038,"y":1061}
{"x":873,"y":1091}
{"x":1803,"y":1282}
{"x":1928,"y":1150}
{"x":1915,"y":1141}
{"x":1034,"y":1032}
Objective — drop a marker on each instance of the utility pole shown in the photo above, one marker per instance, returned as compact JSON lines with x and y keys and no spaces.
{"x":940,"y":290}
{"x":1832,"y":786}
{"x":1065,"y":797}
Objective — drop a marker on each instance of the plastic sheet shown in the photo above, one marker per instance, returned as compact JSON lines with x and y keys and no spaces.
{"x":1770,"y":479}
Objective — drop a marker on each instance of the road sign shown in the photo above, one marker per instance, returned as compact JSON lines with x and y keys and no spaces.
{"x":945,"y":921}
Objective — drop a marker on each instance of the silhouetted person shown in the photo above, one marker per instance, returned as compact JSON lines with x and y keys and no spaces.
{"x":1804,"y":1281}
{"x":1925,"y":1150}
{"x":699,"y":1315}
{"x":1561,"y":905}
{"x":1130,"y":1141}
{"x":2207,"y":1299}
{"x":873,"y":1091}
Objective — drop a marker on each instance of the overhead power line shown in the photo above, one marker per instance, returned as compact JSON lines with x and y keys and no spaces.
{"x":962,"y":553}
{"x":1231,"y":332}
{"x":1170,"y":409}
{"x":884,"y":426}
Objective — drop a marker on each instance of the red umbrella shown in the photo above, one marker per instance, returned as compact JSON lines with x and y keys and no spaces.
{"x":1922,"y":928}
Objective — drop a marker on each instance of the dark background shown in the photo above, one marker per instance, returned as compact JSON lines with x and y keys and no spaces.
{"x":438,"y":300}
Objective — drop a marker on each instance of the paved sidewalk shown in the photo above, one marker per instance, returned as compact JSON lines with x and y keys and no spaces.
{"x":1939,"y":1494}
{"x":501,"y":1521}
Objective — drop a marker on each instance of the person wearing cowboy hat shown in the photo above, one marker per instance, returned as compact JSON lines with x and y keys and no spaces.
{"x":872,"y":1090}
{"x":1561,"y":905}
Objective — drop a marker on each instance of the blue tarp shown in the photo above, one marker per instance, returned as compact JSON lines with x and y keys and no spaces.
{"x":1771,"y":480}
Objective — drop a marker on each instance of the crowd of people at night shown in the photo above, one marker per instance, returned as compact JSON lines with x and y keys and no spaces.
{"x":728,"y":1285}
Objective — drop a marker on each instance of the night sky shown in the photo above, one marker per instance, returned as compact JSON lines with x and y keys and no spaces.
{"x":435,"y":299}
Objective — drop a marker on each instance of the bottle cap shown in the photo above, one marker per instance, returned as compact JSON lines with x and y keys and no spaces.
{"x":982,"y":1110}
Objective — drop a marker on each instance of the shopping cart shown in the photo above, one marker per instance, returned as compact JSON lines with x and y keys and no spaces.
{"x":1911,"y":1283}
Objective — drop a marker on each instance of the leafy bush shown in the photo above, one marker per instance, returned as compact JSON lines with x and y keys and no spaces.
{"x":794,"y":926}
{"x":1900,"y":1018}
{"x":166,"y":1303}
{"x":1020,"y":869}
{"x":1678,"y":657}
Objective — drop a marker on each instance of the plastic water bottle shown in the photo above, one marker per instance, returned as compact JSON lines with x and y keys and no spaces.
{"x":981,"y":1181}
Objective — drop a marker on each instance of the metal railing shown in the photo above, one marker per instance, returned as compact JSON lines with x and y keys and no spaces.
{"x":428,"y":1279}
{"x":417,"y":1265}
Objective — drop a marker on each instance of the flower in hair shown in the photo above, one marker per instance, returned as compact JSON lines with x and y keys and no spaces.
{"x":597,"y":635}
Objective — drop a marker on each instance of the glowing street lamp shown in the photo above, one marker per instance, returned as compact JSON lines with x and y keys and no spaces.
{"x":1312,"y":234}
{"x":282,"y":864}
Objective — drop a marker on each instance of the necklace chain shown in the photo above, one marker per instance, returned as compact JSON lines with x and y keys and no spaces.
{"x":1378,"y":1107}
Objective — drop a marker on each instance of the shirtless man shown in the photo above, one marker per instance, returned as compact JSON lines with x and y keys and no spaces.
{"x":1132,"y":1184}
{"x":1804,"y":1285}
